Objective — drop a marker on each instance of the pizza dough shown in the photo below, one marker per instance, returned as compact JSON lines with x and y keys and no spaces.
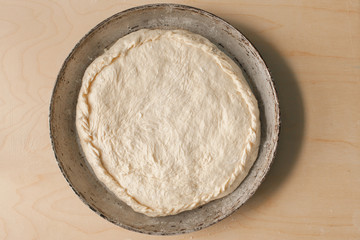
{"x":167,"y":121}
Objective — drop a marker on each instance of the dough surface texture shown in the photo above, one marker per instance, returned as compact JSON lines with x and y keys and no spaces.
{"x":167,"y":121}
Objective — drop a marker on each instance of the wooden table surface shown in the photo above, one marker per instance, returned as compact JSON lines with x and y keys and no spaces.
{"x":313,"y":51}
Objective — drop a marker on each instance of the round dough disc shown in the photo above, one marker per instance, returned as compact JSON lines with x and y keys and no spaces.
{"x":167,"y":121}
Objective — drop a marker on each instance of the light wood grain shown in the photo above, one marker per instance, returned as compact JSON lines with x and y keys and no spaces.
{"x":313,"y":51}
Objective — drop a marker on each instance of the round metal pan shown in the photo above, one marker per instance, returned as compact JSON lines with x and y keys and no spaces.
{"x":72,"y":161}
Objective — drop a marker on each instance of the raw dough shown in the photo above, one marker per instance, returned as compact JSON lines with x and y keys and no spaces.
{"x":167,"y":121}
